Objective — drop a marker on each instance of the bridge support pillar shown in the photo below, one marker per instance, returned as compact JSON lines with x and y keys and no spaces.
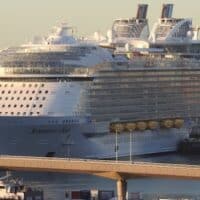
{"x":121,"y":189}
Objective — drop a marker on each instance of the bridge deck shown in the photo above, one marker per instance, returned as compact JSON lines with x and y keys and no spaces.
{"x":109,"y":169}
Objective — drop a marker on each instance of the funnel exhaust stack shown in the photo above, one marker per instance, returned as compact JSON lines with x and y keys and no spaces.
{"x":167,"y":11}
{"x":142,"y":11}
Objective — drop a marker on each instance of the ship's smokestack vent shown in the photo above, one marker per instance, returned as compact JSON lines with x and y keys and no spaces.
{"x":142,"y":11}
{"x":167,"y":10}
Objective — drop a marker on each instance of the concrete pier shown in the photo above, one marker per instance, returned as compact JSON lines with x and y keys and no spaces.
{"x":121,"y":189}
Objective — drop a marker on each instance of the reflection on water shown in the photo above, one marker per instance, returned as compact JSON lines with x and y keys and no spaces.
{"x":55,"y":185}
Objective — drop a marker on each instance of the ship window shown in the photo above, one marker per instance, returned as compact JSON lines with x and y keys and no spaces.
{"x":3,"y":105}
{"x":40,"y":92}
{"x":5,"y":85}
{"x":40,"y":105}
{"x":18,"y":98}
{"x":12,"y":113}
{"x":46,"y":91}
{"x":15,"y":106}
{"x":27,"y":105}
{"x":42,"y":85}
{"x":24,"y":113}
{"x":27,"y":91}
{"x":18,"y":113}
{"x":9,"y":92}
{"x":24,"y":98}
{"x":43,"y":98}
{"x":2,"y":92}
{"x":31,"y":113}
{"x":0,"y":85}
{"x":30,"y":98}
{"x":12,"y":98}
{"x":30,"y":85}
{"x":0,"y":98}
{"x":15,"y":92}
{"x":36,"y":85}
{"x":11,"y":85}
{"x":6,"y":98}
{"x":21,"y":92}
{"x":33,"y":91}
{"x":34,"y":105}
{"x":21,"y":105}
{"x":37,"y":98}
{"x":9,"y":106}
{"x":6,"y":113}
{"x":24,"y":85}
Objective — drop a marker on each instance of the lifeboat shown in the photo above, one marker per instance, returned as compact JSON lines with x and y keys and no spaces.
{"x":178,"y":123}
{"x":118,"y":127}
{"x":141,"y":126}
{"x":168,"y":123}
{"x":153,"y":125}
{"x":130,"y":127}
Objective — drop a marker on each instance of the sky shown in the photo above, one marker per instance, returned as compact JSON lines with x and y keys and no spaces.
{"x":21,"y":20}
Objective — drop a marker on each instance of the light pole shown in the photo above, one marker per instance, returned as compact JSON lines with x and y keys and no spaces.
{"x":118,"y":129}
{"x":131,"y":127}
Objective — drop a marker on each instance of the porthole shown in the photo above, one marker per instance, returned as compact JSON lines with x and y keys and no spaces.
{"x":21,"y":92}
{"x":9,"y":92}
{"x":18,"y":98}
{"x":0,"y":98}
{"x":9,"y":106}
{"x":2,"y":92}
{"x":23,"y":85}
{"x":12,"y":98}
{"x":24,"y":113}
{"x":5,"y":85}
{"x":18,"y":113}
{"x":15,"y":106}
{"x":27,"y":105}
{"x":3,"y":106}
{"x":40,"y":92}
{"x":37,"y":98}
{"x":21,"y":105}
{"x":34,"y":105}
{"x":31,"y":113}
{"x":15,"y":92}
{"x":12,"y":113}
{"x":43,"y":98}
{"x":40,"y":105}
{"x":33,"y":92}
{"x":46,"y":92}
{"x":36,"y":85}
{"x":24,"y":98}
{"x":11,"y":85}
{"x":27,"y":91}
{"x":6,"y":98}
{"x":30,"y":98}
{"x":38,"y":113}
{"x":30,"y":85}
{"x":42,"y":85}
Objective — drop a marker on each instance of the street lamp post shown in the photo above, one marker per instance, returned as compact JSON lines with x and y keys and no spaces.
{"x":131,"y":138}
{"x":116,"y":145}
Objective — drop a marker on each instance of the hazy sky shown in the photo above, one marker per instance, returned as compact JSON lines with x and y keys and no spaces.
{"x":20,"y":20}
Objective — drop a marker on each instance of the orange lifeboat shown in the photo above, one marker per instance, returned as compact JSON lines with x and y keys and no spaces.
{"x":130,"y":127}
{"x":178,"y":123}
{"x":168,"y":123}
{"x":153,"y":125}
{"x":141,"y":126}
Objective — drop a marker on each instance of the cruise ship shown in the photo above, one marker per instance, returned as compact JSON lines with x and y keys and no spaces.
{"x":61,"y":96}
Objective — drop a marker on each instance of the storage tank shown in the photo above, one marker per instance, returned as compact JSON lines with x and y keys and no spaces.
{"x":168,"y":123}
{"x":130,"y":126}
{"x":153,"y":125}
{"x":141,"y":126}
{"x":178,"y":123}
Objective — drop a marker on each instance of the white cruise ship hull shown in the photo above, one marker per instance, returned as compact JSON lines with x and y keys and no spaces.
{"x":50,"y":136}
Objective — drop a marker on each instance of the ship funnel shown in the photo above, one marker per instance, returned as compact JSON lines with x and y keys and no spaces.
{"x":167,"y":10}
{"x":142,"y":11}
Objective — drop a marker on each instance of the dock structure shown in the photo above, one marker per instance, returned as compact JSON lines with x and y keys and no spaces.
{"x":120,"y":171}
